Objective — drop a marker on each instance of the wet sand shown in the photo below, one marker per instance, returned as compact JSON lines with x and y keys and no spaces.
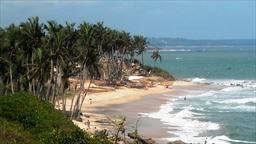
{"x":129,"y":104}
{"x":148,"y":127}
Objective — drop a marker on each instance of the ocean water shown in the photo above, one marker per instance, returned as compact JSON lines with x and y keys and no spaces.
{"x":221,"y":116}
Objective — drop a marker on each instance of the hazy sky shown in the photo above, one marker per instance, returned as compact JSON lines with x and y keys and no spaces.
{"x":197,"y":19}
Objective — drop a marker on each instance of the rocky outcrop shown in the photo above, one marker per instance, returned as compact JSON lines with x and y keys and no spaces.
{"x":140,"y":139}
{"x":177,"y":142}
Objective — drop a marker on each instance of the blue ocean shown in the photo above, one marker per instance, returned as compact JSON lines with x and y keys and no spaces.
{"x":225,"y":115}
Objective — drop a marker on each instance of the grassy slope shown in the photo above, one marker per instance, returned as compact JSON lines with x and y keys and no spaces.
{"x":26,"y":119}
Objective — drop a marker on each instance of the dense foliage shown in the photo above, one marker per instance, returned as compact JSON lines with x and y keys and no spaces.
{"x":39,"y":58}
{"x":26,"y":119}
{"x":156,"y":71}
{"x":33,"y":54}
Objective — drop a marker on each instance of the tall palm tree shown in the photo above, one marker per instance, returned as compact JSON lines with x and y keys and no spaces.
{"x":10,"y":52}
{"x":156,"y":56}
{"x":31,"y":39}
{"x":61,"y":42}
{"x":140,"y":44}
{"x":125,"y":43}
{"x":99,"y":35}
{"x":69,"y":59}
{"x":88,"y":43}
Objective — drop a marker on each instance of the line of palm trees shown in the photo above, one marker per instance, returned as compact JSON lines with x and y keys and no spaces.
{"x":39,"y":58}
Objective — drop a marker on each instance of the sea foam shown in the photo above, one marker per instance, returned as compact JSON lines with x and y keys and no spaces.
{"x":184,"y":121}
{"x":226,"y":82}
{"x":189,"y":120}
{"x":239,"y":101}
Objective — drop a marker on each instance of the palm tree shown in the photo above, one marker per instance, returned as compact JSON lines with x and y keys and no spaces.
{"x":31,"y":39}
{"x":88,"y":63}
{"x":40,"y":58}
{"x":99,"y":35}
{"x":61,"y":43}
{"x":3,"y":64}
{"x":140,"y":44}
{"x":54,"y":41}
{"x":68,"y":59}
{"x":156,"y":56}
{"x":125,"y":43}
{"x":10,"y":52}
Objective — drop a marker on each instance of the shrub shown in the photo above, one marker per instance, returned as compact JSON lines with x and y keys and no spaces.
{"x":61,"y":137}
{"x":19,"y":108}
{"x":156,"y":71}
{"x":26,"y":119}
{"x":33,"y":114}
{"x":14,"y":133}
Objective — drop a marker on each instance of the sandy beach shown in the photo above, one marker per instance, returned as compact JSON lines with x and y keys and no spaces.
{"x":100,"y":108}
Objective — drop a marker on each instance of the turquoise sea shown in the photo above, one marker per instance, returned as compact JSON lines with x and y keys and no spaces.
{"x":220,"y":116}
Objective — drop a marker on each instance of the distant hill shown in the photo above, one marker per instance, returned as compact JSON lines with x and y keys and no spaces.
{"x":165,"y":42}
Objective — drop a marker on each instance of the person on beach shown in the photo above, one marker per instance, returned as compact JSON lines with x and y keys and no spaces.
{"x":185,"y":98}
{"x":205,"y":142}
{"x":88,"y":124}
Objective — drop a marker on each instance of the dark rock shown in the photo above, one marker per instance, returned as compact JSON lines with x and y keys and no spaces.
{"x":141,"y":139}
{"x":177,"y":142}
{"x":79,"y":119}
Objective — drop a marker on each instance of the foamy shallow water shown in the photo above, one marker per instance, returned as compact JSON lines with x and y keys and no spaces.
{"x":216,"y":116}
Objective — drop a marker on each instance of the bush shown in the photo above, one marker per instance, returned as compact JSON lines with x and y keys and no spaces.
{"x":14,"y":133}
{"x":26,"y":119}
{"x":156,"y":71}
{"x":18,"y":108}
{"x":35,"y":115}
{"x":75,"y":137}
{"x":61,"y":137}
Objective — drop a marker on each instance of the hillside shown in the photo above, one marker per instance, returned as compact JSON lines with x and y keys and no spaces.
{"x":24,"y":119}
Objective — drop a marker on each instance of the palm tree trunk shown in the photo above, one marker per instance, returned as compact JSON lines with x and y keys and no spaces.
{"x":142,"y":58}
{"x":33,"y":80}
{"x":53,"y":94}
{"x":50,"y":81}
{"x":62,"y":91}
{"x":54,"y":88}
{"x":71,"y":107}
{"x":1,"y":86}
{"x":56,"y":85}
{"x":76,"y":105}
{"x":11,"y":80}
{"x":83,"y":98}
{"x":28,"y":76}
{"x":122,"y":60}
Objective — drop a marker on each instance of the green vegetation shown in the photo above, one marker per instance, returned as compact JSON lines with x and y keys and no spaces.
{"x":40,"y":58}
{"x":156,"y":71}
{"x":26,"y":119}
{"x":155,"y":55}
{"x":11,"y":132}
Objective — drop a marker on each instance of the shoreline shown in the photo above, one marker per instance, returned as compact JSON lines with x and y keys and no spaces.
{"x":142,"y":104}
{"x":100,"y":107}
